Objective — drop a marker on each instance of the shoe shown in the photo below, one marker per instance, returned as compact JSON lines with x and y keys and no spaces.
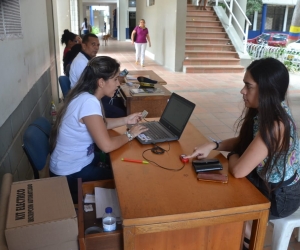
{"x":136,"y":62}
{"x":143,"y":65}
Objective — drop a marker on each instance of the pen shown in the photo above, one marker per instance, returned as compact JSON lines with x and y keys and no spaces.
{"x":133,"y":160}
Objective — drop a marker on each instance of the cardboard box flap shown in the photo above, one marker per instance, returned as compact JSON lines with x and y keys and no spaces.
{"x":39,"y":201}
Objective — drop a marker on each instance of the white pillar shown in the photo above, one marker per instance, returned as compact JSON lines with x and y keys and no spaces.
{"x":239,"y":16}
{"x":285,"y":18}
{"x":122,"y":19}
{"x":254,"y":25}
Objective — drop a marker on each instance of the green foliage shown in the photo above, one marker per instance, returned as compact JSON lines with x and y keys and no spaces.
{"x":253,"y":5}
{"x":95,"y":30}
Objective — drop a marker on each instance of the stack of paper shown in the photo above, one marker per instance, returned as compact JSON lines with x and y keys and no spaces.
{"x":104,"y":198}
{"x":147,"y":91}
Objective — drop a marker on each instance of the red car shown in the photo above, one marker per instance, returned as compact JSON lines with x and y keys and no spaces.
{"x":270,"y":39}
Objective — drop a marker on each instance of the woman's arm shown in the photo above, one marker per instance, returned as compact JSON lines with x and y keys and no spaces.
{"x":203,"y":150}
{"x":148,"y":38}
{"x":256,"y":152}
{"x":99,"y":133}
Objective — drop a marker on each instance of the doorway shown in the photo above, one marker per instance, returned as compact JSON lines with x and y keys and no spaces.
{"x":132,"y":22}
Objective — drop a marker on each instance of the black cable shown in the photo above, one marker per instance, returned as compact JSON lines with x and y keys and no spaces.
{"x":159,"y":149}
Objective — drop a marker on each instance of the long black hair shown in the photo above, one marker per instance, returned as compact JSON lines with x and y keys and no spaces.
{"x":85,"y":22}
{"x":99,"y":67}
{"x":272,"y":79}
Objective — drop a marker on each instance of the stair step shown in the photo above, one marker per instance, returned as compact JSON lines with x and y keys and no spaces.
{"x":210,"y":54}
{"x":201,"y":34}
{"x":209,"y":47}
{"x":200,"y":13}
{"x":197,"y":40}
{"x":201,"y":23}
{"x":205,"y":28}
{"x":202,"y":18}
{"x":195,"y":7}
{"x":211,"y":61}
{"x":214,"y":69}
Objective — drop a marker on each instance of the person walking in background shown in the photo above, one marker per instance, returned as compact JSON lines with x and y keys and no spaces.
{"x":139,"y":37}
{"x":85,"y":27}
{"x":69,"y":39}
{"x":204,"y":5}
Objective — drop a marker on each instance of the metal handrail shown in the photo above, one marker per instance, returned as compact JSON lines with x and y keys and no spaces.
{"x":248,"y":23}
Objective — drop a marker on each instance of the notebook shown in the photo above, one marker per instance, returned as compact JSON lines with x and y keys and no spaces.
{"x":171,"y":124}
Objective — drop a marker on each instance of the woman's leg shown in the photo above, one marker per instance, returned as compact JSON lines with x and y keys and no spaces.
{"x":143,"y":49}
{"x":205,"y":3}
{"x":137,"y":51}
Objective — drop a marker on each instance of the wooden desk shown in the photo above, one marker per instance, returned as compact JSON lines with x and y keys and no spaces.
{"x":166,"y":210}
{"x":154,"y":104}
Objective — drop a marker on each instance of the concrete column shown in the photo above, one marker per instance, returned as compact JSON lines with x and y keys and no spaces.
{"x":122,"y":19}
{"x":239,"y":16}
{"x":263,"y":18}
{"x":285,"y":17}
{"x":254,"y":25}
{"x":91,"y":16}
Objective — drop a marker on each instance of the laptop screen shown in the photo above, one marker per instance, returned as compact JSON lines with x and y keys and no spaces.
{"x":176,"y":114}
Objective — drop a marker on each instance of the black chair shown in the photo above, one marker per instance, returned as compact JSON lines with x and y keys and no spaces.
{"x":36,"y":144}
{"x":65,"y":84}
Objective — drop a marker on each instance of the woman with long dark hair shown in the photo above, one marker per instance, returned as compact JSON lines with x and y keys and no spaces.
{"x":267,"y":148}
{"x":69,"y":39}
{"x":81,"y":125}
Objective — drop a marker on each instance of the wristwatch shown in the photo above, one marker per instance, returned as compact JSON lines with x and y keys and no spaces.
{"x":217,"y":143}
{"x":129,"y":135}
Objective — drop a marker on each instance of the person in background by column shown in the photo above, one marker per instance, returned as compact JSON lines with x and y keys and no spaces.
{"x":85,"y":27}
{"x":139,"y":37}
{"x":204,"y":5}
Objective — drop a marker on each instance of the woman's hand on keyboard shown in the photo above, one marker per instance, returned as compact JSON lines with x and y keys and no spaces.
{"x":137,"y":129}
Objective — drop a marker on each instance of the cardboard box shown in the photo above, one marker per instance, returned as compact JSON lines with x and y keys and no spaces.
{"x":41,"y":215}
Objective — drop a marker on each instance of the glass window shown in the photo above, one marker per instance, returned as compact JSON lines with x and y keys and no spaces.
{"x":131,"y":3}
{"x":275,"y":17}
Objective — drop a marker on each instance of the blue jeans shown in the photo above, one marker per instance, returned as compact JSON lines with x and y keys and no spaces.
{"x":284,"y":200}
{"x":91,"y":172}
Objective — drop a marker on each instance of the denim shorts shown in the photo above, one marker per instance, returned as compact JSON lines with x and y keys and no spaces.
{"x":284,"y":200}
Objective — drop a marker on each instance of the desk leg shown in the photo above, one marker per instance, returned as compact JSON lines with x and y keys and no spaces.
{"x":129,"y":238}
{"x":258,"y":232}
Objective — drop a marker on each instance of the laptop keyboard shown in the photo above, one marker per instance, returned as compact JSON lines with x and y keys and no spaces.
{"x":155,"y":131}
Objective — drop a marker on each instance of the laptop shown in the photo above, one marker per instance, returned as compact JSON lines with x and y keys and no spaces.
{"x":171,"y":124}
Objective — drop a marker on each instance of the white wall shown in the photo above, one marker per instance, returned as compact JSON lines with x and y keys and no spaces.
{"x":23,"y":61}
{"x":166,"y":22}
{"x":280,"y":2}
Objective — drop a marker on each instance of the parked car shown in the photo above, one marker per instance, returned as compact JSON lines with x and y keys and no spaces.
{"x":270,"y":39}
{"x":294,"y":45}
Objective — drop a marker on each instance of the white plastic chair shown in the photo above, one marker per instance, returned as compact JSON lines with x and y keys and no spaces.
{"x":283,"y":229}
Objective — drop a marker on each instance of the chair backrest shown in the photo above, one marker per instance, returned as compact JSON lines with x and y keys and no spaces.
{"x":36,"y":144}
{"x":65,"y":84}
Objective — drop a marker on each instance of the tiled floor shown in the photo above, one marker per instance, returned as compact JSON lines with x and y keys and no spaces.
{"x":217,"y":98}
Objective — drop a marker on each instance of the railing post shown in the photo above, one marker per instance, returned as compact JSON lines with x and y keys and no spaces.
{"x":217,"y":3}
{"x":246,"y":37}
{"x":230,"y":16}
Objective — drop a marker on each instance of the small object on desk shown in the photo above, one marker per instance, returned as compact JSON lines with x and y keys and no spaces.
{"x":129,"y":84}
{"x":123,"y":72}
{"x":207,"y":165}
{"x":88,"y":208}
{"x":184,"y":160}
{"x":133,"y":160}
{"x":93,"y":230}
{"x":89,"y":198}
{"x":214,"y":177}
{"x":146,"y":80}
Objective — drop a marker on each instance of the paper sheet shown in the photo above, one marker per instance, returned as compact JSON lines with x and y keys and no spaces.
{"x":104,"y":198}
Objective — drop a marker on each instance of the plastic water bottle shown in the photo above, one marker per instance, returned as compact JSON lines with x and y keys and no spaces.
{"x":109,"y":220}
{"x":53,"y":111}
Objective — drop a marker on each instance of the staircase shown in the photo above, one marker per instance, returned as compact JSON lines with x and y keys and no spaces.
{"x":208,"y":48}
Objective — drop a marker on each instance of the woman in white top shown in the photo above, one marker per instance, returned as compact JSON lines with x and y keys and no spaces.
{"x":81,"y":126}
{"x":85,"y":27}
